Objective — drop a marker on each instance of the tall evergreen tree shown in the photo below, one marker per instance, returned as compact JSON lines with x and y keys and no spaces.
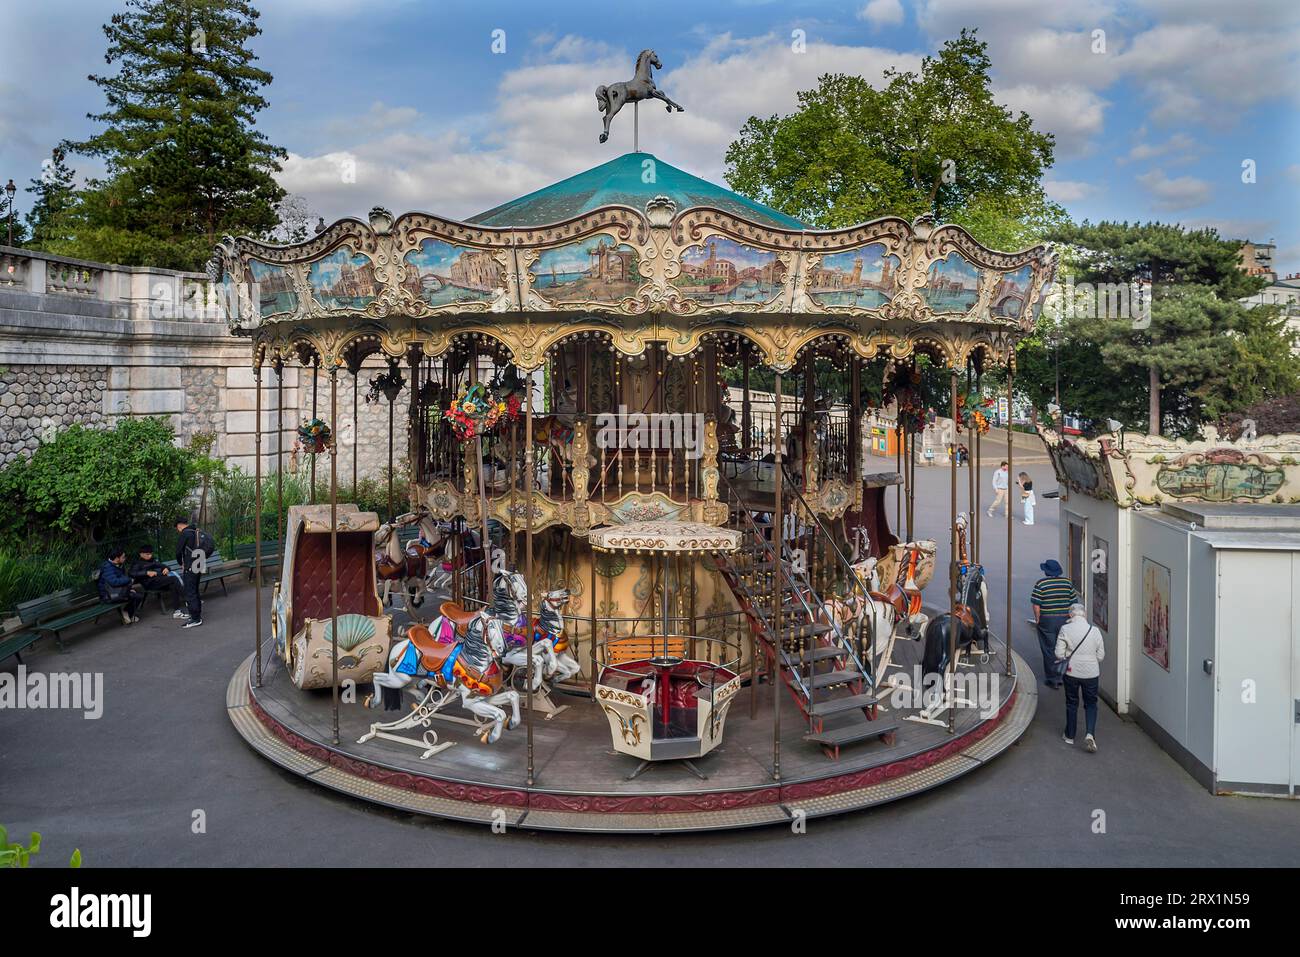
{"x":54,"y":201}
{"x":185,"y":163}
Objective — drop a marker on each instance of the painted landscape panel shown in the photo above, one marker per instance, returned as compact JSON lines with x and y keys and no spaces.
{"x":1011,"y":292}
{"x":343,"y":280}
{"x":1155,"y":612}
{"x":863,"y":277}
{"x":723,"y":270}
{"x":273,"y":289}
{"x":951,"y":284}
{"x":591,"y":269}
{"x":440,"y":273}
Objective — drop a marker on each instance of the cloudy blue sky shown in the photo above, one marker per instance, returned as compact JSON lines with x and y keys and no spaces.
{"x":410,"y":91}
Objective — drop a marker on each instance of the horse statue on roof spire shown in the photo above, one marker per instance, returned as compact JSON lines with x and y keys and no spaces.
{"x":610,"y":99}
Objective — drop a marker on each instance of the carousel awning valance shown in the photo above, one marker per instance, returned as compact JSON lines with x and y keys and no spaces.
{"x":635,"y":255}
{"x":665,"y":538}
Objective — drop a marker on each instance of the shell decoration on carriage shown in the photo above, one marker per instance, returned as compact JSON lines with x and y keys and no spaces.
{"x":302,"y":626}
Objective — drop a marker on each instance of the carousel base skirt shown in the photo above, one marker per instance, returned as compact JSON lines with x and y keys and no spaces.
{"x":582,"y":784}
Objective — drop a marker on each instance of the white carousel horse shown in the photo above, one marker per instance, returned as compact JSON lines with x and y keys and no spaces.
{"x":459,"y":655}
{"x":610,"y":99}
{"x":551,"y":657}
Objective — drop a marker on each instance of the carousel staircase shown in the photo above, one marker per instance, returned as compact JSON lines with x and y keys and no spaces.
{"x":823,"y":672}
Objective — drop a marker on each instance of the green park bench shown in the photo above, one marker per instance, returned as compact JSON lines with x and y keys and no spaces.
{"x":52,"y":614}
{"x":219,"y":569}
{"x":271,"y":554}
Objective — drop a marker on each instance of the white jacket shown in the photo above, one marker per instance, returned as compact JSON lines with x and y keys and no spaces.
{"x":1078,"y":633}
{"x":999,"y":480}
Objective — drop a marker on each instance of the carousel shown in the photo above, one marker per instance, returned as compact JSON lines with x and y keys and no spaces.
{"x":645,"y":577}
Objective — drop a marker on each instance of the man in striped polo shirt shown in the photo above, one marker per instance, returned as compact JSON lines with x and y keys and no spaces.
{"x":1052,"y":597}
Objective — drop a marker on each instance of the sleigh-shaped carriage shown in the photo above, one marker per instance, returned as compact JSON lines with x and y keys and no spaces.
{"x":302,"y":625}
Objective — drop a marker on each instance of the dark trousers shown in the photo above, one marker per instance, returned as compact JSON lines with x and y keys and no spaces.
{"x":134,"y":598}
{"x":1048,"y":626}
{"x":193,"y":603}
{"x":1073,"y":686}
{"x":166,"y":583}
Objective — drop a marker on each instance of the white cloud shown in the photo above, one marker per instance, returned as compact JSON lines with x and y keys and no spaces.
{"x":882,"y":13}
{"x":1182,"y":192}
{"x":1068,"y":190}
{"x":1074,"y":114}
{"x":1179,"y":148}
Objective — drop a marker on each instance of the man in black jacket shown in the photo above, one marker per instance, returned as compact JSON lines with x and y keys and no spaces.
{"x":192,"y":568}
{"x":152,"y":575}
{"x":115,"y":585}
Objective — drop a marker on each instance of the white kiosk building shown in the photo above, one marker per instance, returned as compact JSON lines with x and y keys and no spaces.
{"x":1187,"y":555}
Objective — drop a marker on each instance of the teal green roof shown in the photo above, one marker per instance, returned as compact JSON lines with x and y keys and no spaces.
{"x":620,"y":182}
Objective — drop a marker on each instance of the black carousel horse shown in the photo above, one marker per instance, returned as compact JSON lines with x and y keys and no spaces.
{"x":972,"y":623}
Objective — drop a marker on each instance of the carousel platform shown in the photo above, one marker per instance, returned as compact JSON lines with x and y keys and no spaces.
{"x":581,"y":782}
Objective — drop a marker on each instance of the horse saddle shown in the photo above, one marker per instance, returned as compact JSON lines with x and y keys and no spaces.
{"x":904,"y":601}
{"x":965,"y":616}
{"x":387,"y":569}
{"x":458,"y":616}
{"x":433,"y":653}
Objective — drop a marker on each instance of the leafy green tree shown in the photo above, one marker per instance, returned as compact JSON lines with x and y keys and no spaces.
{"x":934,"y":141}
{"x":1201,"y":354}
{"x":92,"y":484}
{"x":55,"y":199}
{"x":185,"y":163}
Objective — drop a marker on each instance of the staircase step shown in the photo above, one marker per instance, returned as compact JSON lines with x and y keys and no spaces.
{"x":805,"y":631}
{"x":837,"y":737}
{"x":832,"y":678}
{"x":839,"y":705}
{"x":823,"y":654}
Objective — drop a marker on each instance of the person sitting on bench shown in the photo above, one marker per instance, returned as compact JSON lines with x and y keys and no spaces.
{"x":115,"y":586}
{"x":152,"y":575}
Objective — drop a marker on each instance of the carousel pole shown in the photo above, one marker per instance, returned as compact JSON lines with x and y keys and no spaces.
{"x":279,"y":441}
{"x":1011,"y":370}
{"x":970,"y":470}
{"x":257,"y":520}
{"x":898,"y":467}
{"x":528,"y":547}
{"x":951,"y":690}
{"x":592,"y":676}
{"x":486,"y":541}
{"x":778,"y":541}
{"x":315,"y":375}
{"x":356,"y":430}
{"x":334,"y":554}
{"x":391,"y":512}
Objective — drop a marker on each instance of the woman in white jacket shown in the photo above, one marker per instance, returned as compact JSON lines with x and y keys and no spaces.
{"x":1081,"y":642}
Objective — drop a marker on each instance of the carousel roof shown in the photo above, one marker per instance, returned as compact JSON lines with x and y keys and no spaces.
{"x":621,"y":181}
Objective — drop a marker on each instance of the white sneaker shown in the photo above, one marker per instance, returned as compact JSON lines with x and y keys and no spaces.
{"x":126,"y":619}
{"x":180,"y":614}
{"x":192,"y":623}
{"x":1091,"y":744}
{"x":1065,"y":739}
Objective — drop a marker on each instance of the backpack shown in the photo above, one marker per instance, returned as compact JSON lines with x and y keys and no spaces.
{"x":204,"y":542}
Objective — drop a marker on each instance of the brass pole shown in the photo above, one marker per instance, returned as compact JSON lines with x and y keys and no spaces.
{"x":334,"y":553}
{"x":592,"y":678}
{"x":486,"y":543}
{"x":279,"y":443}
{"x":778,"y":551}
{"x":257,"y":520}
{"x":952,"y":568}
{"x":898,"y":465}
{"x":1011,"y":369}
{"x":315,"y":375}
{"x":391,"y":511}
{"x":356,"y":431}
{"x":528,"y":546}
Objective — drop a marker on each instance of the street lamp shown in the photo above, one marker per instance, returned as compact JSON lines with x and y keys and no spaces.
{"x":10,"y":190}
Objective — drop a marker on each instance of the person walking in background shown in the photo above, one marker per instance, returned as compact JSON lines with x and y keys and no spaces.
{"x":1001,"y":479}
{"x":115,"y":585}
{"x":1027,"y":499}
{"x":1051,"y":598}
{"x":1081,"y":643}
{"x":152,"y":575}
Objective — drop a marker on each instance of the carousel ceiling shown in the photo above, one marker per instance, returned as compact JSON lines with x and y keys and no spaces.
{"x":636,"y":260}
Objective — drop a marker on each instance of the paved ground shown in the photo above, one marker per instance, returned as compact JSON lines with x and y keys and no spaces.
{"x":126,"y":788}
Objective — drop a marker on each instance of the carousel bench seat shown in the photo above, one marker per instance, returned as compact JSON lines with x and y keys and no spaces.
{"x":641,"y":647}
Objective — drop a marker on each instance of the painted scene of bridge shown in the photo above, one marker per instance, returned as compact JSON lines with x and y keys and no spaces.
{"x":723,"y":270}
{"x":864,"y":277}
{"x":439,"y":273}
{"x":1011,"y":292}
{"x":595,"y":268}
